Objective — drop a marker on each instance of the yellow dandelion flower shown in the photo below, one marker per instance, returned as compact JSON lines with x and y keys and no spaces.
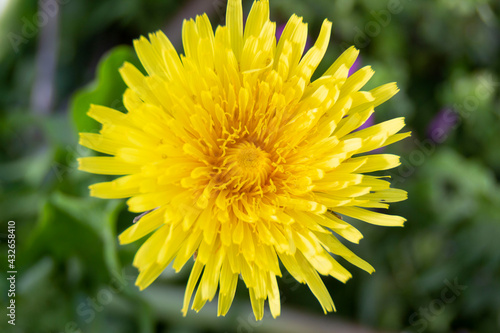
{"x":238,"y":157}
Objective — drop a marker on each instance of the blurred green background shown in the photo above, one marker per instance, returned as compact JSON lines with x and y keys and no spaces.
{"x":441,"y":273}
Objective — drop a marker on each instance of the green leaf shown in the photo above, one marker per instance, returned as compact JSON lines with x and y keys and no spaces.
{"x":107,"y":89}
{"x":81,"y":227}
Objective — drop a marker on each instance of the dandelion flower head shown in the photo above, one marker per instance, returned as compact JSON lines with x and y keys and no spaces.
{"x":243,"y":160}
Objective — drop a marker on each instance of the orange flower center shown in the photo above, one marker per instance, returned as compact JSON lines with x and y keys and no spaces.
{"x":246,"y":167}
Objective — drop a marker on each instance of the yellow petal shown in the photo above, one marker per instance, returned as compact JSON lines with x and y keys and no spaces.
{"x":100,"y":143}
{"x":149,"y":274}
{"x":106,"y":166}
{"x":273,"y":295}
{"x":258,"y":16}
{"x":136,"y":81}
{"x":334,"y":246}
{"x":314,"y":56}
{"x":148,"y":252}
{"x":234,"y":22}
{"x":171,"y":244}
{"x":388,"y":195}
{"x":315,"y":284}
{"x":106,"y":115}
{"x":357,"y":80}
{"x":112,"y":190}
{"x":191,"y":284}
{"x":257,"y":304}
{"x":146,"y":224}
{"x":147,"y":201}
{"x":384,"y":93}
{"x":379,"y":162}
{"x":347,"y":59}
{"x":187,"y":250}
{"x":228,"y":283}
{"x":372,"y":217}
{"x":295,"y":36}
{"x":210,"y":280}
{"x":150,"y":59}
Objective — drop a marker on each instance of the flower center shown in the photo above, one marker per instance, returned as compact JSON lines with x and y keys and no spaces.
{"x":247,"y":165}
{"x":250,"y":157}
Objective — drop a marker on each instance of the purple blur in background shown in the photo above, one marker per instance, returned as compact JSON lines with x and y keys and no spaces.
{"x":355,"y":66}
{"x":442,"y":124}
{"x":368,"y":123}
{"x":279,"y":31}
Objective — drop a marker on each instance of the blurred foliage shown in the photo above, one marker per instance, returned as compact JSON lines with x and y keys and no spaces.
{"x":106,"y":90}
{"x":74,"y":277}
